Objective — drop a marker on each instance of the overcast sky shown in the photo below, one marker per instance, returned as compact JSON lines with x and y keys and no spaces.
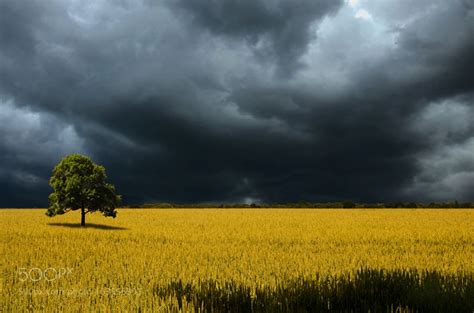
{"x":250,"y":100}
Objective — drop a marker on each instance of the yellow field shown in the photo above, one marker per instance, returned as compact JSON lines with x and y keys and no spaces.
{"x":122,"y":265}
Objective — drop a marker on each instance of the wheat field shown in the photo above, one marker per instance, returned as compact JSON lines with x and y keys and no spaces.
{"x":235,"y":259}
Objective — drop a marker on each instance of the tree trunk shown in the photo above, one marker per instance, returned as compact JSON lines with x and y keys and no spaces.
{"x":83,"y":216}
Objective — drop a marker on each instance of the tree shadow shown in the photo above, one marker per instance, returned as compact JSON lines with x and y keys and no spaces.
{"x":88,"y":225}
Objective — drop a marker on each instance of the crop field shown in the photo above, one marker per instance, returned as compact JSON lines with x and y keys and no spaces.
{"x":323,"y":260}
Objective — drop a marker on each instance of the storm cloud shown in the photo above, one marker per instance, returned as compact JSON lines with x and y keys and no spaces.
{"x":224,"y":101}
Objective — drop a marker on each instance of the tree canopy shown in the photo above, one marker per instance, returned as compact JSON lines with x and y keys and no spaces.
{"x":80,"y":184}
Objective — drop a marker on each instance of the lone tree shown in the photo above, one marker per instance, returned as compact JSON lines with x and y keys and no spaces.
{"x":79,"y":184}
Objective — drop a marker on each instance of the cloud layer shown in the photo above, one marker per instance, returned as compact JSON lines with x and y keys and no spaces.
{"x":194,"y":101}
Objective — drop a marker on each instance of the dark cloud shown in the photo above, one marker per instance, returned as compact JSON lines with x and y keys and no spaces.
{"x":30,"y":145}
{"x":240,"y":100}
{"x":274,"y":29}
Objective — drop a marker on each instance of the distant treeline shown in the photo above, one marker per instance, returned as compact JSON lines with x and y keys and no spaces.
{"x":306,"y":204}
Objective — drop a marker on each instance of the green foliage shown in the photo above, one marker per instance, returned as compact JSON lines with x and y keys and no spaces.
{"x":78,"y":183}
